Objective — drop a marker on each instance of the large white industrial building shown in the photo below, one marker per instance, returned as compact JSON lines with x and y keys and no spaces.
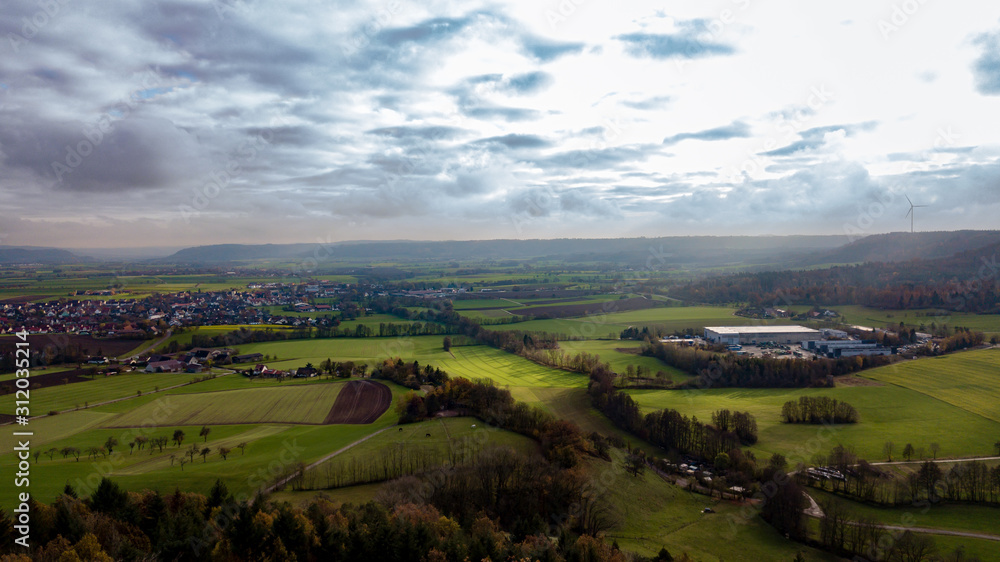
{"x":738,"y":335}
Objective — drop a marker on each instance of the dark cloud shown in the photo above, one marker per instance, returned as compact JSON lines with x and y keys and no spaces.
{"x":655,"y":102}
{"x":816,"y":137}
{"x":500,"y":112}
{"x":421,"y":133}
{"x":987,"y":67}
{"x":528,"y":83}
{"x":598,"y":158}
{"x":518,"y":141}
{"x":518,"y":84}
{"x":736,"y":129}
{"x":546,"y":50}
{"x":436,"y":29}
{"x":688,"y":42}
{"x":135,"y":152}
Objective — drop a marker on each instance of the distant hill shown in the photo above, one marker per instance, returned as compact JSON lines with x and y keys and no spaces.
{"x":238,"y":252}
{"x":675,"y":250}
{"x":905,"y":246}
{"x":966,"y":281}
{"x":27,"y":254}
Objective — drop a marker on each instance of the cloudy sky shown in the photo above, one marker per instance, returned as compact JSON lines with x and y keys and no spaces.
{"x":172,"y":122}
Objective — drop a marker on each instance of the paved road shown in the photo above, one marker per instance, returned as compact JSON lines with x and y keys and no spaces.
{"x":815,"y":511}
{"x":937,"y":461}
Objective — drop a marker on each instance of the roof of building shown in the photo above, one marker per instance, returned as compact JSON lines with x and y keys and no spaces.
{"x":735,"y":330}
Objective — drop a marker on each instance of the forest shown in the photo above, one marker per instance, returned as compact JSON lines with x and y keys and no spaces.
{"x":717,"y":369}
{"x":966,"y":282}
{"x":476,"y":513}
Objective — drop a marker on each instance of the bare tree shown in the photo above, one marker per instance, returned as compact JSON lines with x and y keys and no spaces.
{"x":887,"y":449}
{"x":934,"y":449}
{"x":908,"y":451}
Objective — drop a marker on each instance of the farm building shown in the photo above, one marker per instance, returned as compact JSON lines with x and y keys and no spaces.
{"x":170,"y":366}
{"x":734,"y":335}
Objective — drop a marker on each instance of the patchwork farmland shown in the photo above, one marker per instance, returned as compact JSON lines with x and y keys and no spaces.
{"x":294,"y":404}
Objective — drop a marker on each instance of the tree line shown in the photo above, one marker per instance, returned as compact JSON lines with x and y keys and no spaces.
{"x":969,"y":481}
{"x":717,"y":369}
{"x":669,"y":428}
{"x":409,"y":375}
{"x":561,"y":441}
{"x":818,"y":410}
{"x":112,"y":524}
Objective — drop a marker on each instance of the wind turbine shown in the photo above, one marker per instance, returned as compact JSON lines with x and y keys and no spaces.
{"x":910,"y":213}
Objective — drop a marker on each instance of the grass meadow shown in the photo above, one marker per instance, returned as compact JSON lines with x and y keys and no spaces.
{"x":888,"y":413}
{"x":919,"y":319}
{"x":308,"y":404}
{"x":969,"y":380}
{"x":78,"y":394}
{"x":609,"y":325}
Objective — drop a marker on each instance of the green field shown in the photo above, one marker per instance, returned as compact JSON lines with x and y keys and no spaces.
{"x":969,"y":380}
{"x":296,"y":353}
{"x":506,"y":369}
{"x":666,"y":319}
{"x":888,"y":413}
{"x":272,"y":448}
{"x":461,"y":436}
{"x":958,"y":517}
{"x":979,"y":548}
{"x":918,"y":319}
{"x":652,"y":514}
{"x":79,"y":394}
{"x":608,"y":351}
{"x":307,"y":404}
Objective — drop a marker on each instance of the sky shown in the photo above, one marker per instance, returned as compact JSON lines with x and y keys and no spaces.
{"x":183,"y":122}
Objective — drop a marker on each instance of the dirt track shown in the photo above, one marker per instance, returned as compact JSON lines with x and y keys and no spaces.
{"x":360,"y":402}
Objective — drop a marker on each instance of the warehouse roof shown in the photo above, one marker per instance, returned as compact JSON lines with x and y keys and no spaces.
{"x":762,"y":330}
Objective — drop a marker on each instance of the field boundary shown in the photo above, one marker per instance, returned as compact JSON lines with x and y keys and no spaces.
{"x":312,"y":465}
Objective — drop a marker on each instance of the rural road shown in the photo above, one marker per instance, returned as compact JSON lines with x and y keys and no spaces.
{"x":814,"y":511}
{"x":151,"y":346}
{"x":286,"y":479}
{"x":936,"y":461}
